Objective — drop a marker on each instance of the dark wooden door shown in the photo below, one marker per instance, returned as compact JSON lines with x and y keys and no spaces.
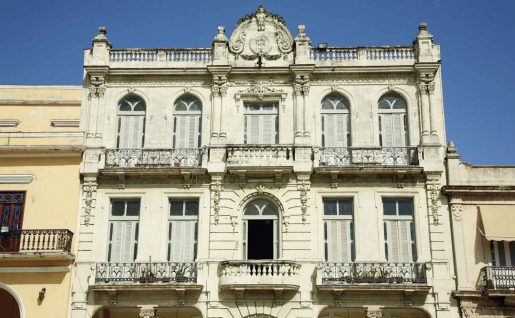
{"x":11,"y":218}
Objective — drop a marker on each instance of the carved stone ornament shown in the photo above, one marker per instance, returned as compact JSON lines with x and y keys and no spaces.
{"x":219,"y":85}
{"x":426,"y":82}
{"x":89,"y":193}
{"x":147,"y":311}
{"x":374,"y":313}
{"x":260,"y":91}
{"x":302,"y":84}
{"x":456,"y":210}
{"x":261,"y":34}
{"x":433,"y":190}
{"x":216,"y":189}
{"x":97,"y":87}
{"x":303,"y":185}
{"x":469,"y":312}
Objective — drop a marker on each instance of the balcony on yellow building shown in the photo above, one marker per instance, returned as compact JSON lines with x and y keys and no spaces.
{"x":498,"y":281}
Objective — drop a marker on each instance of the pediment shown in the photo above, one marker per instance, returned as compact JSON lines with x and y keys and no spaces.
{"x":261,"y":34}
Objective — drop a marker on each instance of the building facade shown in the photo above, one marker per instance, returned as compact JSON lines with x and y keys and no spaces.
{"x":482,"y":202}
{"x":264,"y":177}
{"x":40,"y":155}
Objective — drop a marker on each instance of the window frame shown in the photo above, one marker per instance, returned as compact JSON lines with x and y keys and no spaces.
{"x":275,"y":112}
{"x":405,"y":123}
{"x":414,"y":255}
{"x":182,"y":218}
{"x":197,"y":114}
{"x":276,"y":227}
{"x":338,"y":217}
{"x":346,"y":111}
{"x":123,"y":218}
{"x":121,"y":114}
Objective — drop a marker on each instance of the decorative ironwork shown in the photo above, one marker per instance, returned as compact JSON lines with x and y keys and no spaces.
{"x":498,"y":277}
{"x":130,"y":158}
{"x":20,"y":241}
{"x":260,"y":155}
{"x":373,"y":273}
{"x":164,"y":272}
{"x":386,"y":156}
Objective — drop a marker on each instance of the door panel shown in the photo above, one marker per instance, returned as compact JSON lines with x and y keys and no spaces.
{"x":260,"y":239}
{"x":11,"y":219}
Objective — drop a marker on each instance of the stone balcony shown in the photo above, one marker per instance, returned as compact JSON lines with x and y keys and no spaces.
{"x":498,"y":280}
{"x":152,"y":276}
{"x":407,"y":277}
{"x":276,"y":275}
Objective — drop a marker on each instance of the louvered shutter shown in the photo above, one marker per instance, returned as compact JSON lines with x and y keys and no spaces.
{"x":123,"y":241}
{"x":182,"y":243}
{"x":335,"y":130}
{"x":131,"y":132}
{"x":339,"y":241}
{"x":399,"y":241}
{"x":398,"y":130}
{"x":125,"y":132}
{"x":193,"y":123}
{"x":268,"y":132}
{"x":181,"y":132}
{"x":387,"y":129}
{"x":253,"y":129}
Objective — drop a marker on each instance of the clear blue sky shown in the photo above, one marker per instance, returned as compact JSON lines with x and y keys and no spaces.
{"x":42,"y":43}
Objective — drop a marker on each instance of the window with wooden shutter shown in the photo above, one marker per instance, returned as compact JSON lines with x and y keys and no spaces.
{"x":131,"y":123}
{"x":393,"y":123}
{"x":338,"y":230}
{"x":183,"y":230}
{"x":502,"y":253}
{"x":261,"y":123}
{"x":335,"y":121}
{"x":399,"y":231}
{"x":123,"y":231}
{"x":187,"y":125}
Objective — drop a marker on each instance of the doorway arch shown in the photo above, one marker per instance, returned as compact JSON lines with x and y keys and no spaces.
{"x":260,"y":230}
{"x":10,"y":303}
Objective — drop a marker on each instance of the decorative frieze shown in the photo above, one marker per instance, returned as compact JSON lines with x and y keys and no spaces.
{"x":433,"y":191}
{"x":216,"y":189}
{"x":89,"y":194}
{"x":303,"y":186}
{"x":374,"y":313}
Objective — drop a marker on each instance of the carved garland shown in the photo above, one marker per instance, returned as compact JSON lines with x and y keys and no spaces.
{"x":216,"y":189}
{"x":303,"y":185}
{"x":260,"y":91}
{"x":433,"y":190}
{"x":97,"y":87}
{"x":89,"y":192}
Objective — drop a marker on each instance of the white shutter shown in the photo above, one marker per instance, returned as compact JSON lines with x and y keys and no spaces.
{"x":253,"y":129}
{"x":131,"y":132}
{"x":387,"y":129}
{"x":392,"y":234}
{"x":123,"y":241}
{"x":399,"y":241}
{"x":182,"y":241}
{"x":193,"y":131}
{"x":339,"y":241}
{"x":180,"y":132}
{"x":404,"y":242}
{"x":125,"y":130}
{"x":267,"y":129}
{"x":398,"y":130}
{"x":335,"y":130}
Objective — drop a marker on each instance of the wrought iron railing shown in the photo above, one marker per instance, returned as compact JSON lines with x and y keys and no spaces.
{"x":373,"y":273}
{"x":260,"y":155}
{"x":165,"y":272}
{"x":134,"y":158}
{"x":383,"y":156}
{"x":32,"y":241}
{"x":498,"y":277}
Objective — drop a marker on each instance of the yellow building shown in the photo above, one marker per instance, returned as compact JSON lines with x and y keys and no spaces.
{"x":40,"y":152}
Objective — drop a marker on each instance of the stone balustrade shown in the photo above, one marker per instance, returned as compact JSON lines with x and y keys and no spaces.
{"x":259,"y":155}
{"x":260,"y":272}
{"x":154,"y":158}
{"x":164,"y":272}
{"x":171,"y":57}
{"x":334,"y":54}
{"x":372,"y":273}
{"x":381,"y":156}
{"x":498,"y":277}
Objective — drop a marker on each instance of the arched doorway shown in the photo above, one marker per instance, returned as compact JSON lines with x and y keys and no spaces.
{"x":260,"y":230}
{"x":9,"y":307}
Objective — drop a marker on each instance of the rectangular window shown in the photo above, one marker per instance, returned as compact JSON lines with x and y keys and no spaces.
{"x":393,"y":130}
{"x":338,"y":230}
{"x":11,"y":219}
{"x":183,"y":230}
{"x":502,"y":253}
{"x":399,"y":231}
{"x":123,"y":231}
{"x":131,"y":131}
{"x":261,"y":123}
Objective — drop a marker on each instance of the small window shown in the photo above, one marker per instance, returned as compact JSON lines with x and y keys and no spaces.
{"x":123,"y":231}
{"x":399,"y":230}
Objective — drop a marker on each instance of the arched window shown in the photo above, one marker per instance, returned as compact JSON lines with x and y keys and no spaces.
{"x":393,"y":121}
{"x":187,"y":122}
{"x":335,"y":121}
{"x":131,"y":123}
{"x":260,"y":230}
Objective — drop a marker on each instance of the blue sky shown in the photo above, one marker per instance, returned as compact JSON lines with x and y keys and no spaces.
{"x":42,"y":43}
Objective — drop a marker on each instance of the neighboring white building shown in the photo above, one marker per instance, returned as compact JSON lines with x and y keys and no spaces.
{"x":264,"y":177}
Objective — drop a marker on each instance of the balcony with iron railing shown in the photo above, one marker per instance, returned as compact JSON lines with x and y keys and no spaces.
{"x":377,"y":276}
{"x":134,"y":159}
{"x":260,"y":275}
{"x":173,"y":276}
{"x":498,"y":280}
{"x":38,"y":244}
{"x":368,"y":156}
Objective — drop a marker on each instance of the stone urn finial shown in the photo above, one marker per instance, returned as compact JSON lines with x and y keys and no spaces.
{"x":101,"y":37}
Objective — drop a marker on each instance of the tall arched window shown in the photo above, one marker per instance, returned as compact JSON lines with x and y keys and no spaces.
{"x":393,"y":121}
{"x":187,"y":122}
{"x":260,"y":230}
{"x":335,"y":121}
{"x":131,"y":123}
